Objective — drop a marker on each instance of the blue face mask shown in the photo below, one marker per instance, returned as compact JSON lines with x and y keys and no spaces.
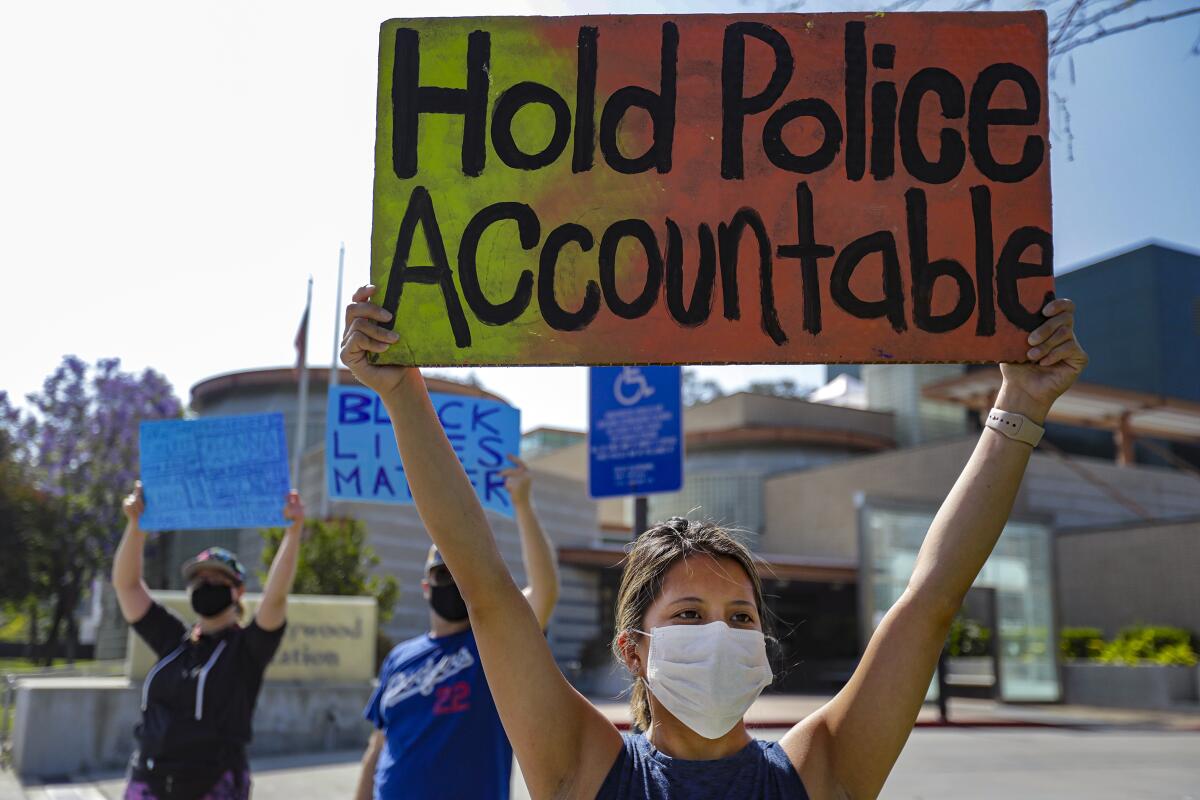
{"x":211,"y":599}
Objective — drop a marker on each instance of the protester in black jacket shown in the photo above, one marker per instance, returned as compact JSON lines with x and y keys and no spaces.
{"x":198,"y":700}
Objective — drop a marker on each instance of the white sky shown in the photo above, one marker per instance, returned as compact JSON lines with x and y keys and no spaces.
{"x":170,"y":175}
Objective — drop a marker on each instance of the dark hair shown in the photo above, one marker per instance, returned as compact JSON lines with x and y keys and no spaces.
{"x":652,"y":556}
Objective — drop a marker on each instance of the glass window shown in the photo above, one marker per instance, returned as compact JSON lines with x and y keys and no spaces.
{"x":1018,"y":571}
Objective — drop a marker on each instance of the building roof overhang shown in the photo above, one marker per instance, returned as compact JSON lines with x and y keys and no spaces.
{"x":1086,"y":405}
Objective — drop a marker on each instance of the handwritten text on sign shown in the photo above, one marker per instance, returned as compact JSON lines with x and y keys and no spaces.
{"x":363,"y":464}
{"x":777,"y":188}
{"x":216,"y":472}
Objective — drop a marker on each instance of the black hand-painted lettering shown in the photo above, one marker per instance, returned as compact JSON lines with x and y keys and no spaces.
{"x":585,"y":101}
{"x":925,"y":273}
{"x":697,"y":311}
{"x":983,"y":118}
{"x":609,"y":243}
{"x":953,"y":155}
{"x":856,"y":99}
{"x":808,"y":252}
{"x":1011,"y":269}
{"x":831,"y":139}
{"x":735,"y":106}
{"x":529,"y":229}
{"x":985,"y":270}
{"x":660,"y":106}
{"x":892,"y":304}
{"x":729,"y":239}
{"x":555,"y":315}
{"x":410,"y":100}
{"x":512,"y":100}
{"x":420,"y":210}
{"x":883,"y":115}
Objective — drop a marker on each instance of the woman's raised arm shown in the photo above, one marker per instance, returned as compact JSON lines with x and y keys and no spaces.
{"x":272,"y":610}
{"x":551,"y":726}
{"x":132,"y":594}
{"x":855,"y":739}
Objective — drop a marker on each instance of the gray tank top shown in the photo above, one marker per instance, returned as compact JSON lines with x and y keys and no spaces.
{"x":761,"y":770}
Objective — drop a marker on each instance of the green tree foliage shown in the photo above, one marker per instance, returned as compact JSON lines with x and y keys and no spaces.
{"x":699,"y":390}
{"x":335,"y":559}
{"x":782,"y":387}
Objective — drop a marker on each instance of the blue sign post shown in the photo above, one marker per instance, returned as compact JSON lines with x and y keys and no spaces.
{"x":635,"y":431}
{"x":217,"y":472}
{"x":363,"y":464}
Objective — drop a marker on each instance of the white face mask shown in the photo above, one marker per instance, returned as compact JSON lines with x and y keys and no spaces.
{"x":707,"y":675}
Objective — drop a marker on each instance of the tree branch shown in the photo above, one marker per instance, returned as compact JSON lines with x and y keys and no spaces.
{"x":1128,"y":27}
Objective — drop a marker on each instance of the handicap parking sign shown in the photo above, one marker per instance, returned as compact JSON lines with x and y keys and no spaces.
{"x":635,"y":431}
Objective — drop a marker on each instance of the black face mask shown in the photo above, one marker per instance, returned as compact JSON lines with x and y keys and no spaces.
{"x":447,"y":602}
{"x":210,"y":599}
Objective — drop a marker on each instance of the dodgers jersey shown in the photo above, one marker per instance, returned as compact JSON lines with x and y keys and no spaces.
{"x":444,"y":737}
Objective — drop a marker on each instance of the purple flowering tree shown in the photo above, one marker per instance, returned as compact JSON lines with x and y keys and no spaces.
{"x":77,"y":446}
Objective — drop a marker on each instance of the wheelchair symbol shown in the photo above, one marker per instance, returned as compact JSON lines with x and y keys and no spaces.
{"x":630,"y":387}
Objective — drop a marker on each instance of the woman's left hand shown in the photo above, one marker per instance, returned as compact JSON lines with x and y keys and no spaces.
{"x":1055,"y":360}
{"x":294,"y":510}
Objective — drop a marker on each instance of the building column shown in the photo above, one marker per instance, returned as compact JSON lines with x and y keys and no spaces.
{"x":1124,"y":439}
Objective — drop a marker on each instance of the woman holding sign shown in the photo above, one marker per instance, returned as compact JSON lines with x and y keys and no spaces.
{"x":198,"y":700}
{"x":690,"y":615}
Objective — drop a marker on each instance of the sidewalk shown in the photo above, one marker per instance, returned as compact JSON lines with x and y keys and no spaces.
{"x":783,"y":711}
{"x":328,"y":774}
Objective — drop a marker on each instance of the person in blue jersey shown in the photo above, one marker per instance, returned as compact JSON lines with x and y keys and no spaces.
{"x":437,"y":733}
{"x":690,"y":616}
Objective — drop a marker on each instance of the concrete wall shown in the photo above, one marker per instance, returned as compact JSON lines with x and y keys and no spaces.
{"x":65,"y":726}
{"x":1134,"y":574}
{"x":1121,"y":686}
{"x":812,"y":513}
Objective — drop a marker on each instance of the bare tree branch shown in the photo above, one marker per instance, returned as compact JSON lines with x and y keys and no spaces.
{"x":1128,"y":27}
{"x":1082,"y":24}
{"x":1062,"y":29}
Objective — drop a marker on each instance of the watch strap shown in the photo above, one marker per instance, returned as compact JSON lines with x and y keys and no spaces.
{"x":1015,"y":426}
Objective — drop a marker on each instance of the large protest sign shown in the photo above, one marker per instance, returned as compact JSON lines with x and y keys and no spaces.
{"x":704,"y":188}
{"x":363,"y":464}
{"x":218,"y":472}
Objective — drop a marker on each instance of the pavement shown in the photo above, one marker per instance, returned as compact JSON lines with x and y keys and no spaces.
{"x":989,"y":750}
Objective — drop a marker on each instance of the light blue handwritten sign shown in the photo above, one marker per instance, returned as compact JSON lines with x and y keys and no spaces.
{"x":363,"y":464}
{"x":219,"y":472}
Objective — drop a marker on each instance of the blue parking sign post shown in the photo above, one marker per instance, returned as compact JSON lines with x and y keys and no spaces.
{"x":635,"y":431}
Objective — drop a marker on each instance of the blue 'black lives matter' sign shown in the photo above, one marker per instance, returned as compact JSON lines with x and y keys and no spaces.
{"x":363,"y":464}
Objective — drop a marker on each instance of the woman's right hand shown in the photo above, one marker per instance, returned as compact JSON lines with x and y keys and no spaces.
{"x":134,"y":505}
{"x":363,"y":336}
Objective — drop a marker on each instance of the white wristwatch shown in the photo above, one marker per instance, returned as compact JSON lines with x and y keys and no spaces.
{"x":1015,"y":426}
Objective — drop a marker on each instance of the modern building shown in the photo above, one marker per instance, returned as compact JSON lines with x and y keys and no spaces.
{"x":836,"y":499}
{"x":1139,"y":317}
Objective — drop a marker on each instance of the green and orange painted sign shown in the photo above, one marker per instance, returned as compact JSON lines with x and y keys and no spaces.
{"x":781,"y":188}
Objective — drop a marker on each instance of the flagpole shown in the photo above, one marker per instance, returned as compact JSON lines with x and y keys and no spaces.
{"x":337,"y":347}
{"x":302,"y":402}
{"x":337,"y":318}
